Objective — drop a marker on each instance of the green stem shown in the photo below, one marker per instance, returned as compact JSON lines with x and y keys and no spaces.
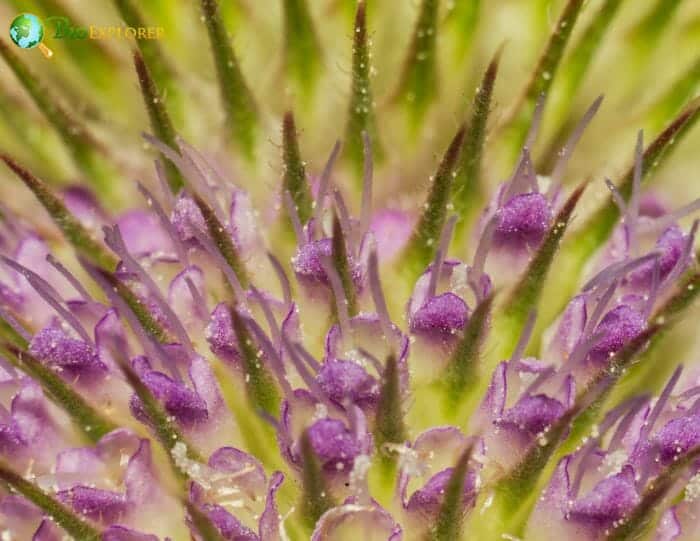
{"x":79,"y":237}
{"x":421,"y":248}
{"x":238,"y":101}
{"x":467,"y":189}
{"x":160,"y":120}
{"x":341,"y":262}
{"x":361,"y":117}
{"x":419,"y":80}
{"x":295,"y":181}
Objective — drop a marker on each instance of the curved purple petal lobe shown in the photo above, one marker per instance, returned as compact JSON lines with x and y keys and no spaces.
{"x":532,"y":414}
{"x":616,"y":329}
{"x":220,"y":335}
{"x":74,"y":358}
{"x":270,"y":520}
{"x":609,"y":501}
{"x":522,"y":222}
{"x":678,"y":437}
{"x":99,"y":505}
{"x":185,"y":215}
{"x":427,"y":500}
{"x":308,"y":260}
{"x":120,"y":533}
{"x":670,"y":247}
{"x":335,"y":446}
{"x":144,"y":235}
{"x":652,"y":205}
{"x":347,"y":380}
{"x":229,"y":526}
{"x":441,"y":317}
{"x":181,"y":402}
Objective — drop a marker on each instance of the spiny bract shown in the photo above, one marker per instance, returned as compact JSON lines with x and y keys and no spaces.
{"x":450,"y":324}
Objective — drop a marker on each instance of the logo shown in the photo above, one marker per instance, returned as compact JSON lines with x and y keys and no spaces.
{"x":27,"y":31}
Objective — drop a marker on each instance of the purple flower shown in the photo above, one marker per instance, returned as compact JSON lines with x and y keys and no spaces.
{"x":426,"y":468}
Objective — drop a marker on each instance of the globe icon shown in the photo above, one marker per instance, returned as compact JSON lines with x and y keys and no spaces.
{"x":26,"y":30}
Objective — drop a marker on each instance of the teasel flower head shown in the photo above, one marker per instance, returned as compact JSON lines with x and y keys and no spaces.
{"x":239,"y":303}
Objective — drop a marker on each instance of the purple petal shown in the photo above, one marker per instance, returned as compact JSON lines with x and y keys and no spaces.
{"x":307,"y":262}
{"x":617,"y":328}
{"x":120,"y":533}
{"x":522,"y":222}
{"x":670,"y":247}
{"x":70,"y":357}
{"x":207,"y":388}
{"x":220,"y":335}
{"x":270,"y":520}
{"x":186,"y":214}
{"x":347,"y":380}
{"x":678,"y":437}
{"x":610,"y":500}
{"x":144,"y":235}
{"x":652,"y":205}
{"x":334,"y":444}
{"x":427,"y":500}
{"x":229,"y":526}
{"x":532,"y":414}
{"x":183,"y":403}
{"x":441,"y":317}
{"x":99,"y":505}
